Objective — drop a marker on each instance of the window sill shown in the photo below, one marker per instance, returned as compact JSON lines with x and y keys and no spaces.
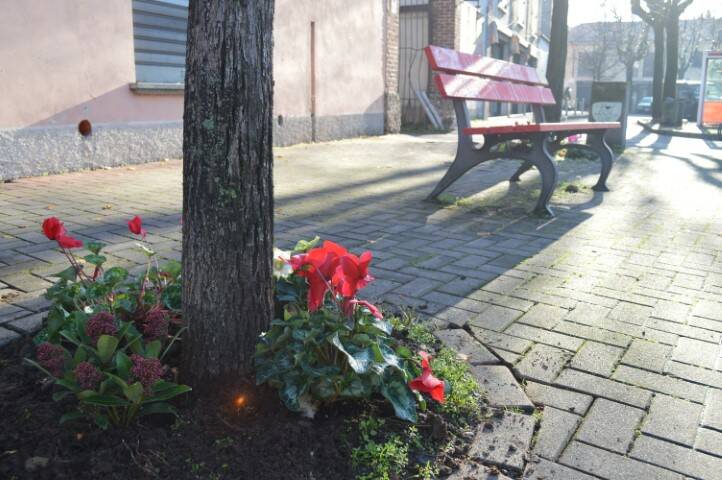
{"x":149,"y":88}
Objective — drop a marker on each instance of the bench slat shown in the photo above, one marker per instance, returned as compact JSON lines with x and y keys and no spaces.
{"x":450,"y":61}
{"x":463,"y":87}
{"x":541,"y":127}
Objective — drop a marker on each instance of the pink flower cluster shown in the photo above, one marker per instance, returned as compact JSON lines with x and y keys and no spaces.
{"x":51,"y":357}
{"x":155,"y":325}
{"x":87,"y":376}
{"x":147,"y":371}
{"x":102,"y":323}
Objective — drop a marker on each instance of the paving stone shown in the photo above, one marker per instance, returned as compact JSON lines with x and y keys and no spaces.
{"x":546,"y":337}
{"x":495,"y":318}
{"x":587,"y":312}
{"x":500,"y":340}
{"x":464,"y":344}
{"x":673,"y":419}
{"x":558,"y":398}
{"x":705,"y":323}
{"x":464,"y":286}
{"x":712,"y":416}
{"x":593,"y":333}
{"x":684,"y":330}
{"x":709,"y":441}
{"x":503,"y":284}
{"x":541,"y":469}
{"x":557,"y":428}
{"x":597,"y":358}
{"x":696,"y":352}
{"x":602,"y":387}
{"x":612,"y":466}
{"x":672,"y":311}
{"x":7,"y":336}
{"x":630,"y":313}
{"x":25,"y":282}
{"x":677,"y":458}
{"x":543,"y":316}
{"x":500,"y":387}
{"x":471,"y":470}
{"x":694,"y":374}
{"x":503,"y":440}
{"x":507,"y":357}
{"x":660,"y":383}
{"x":610,"y":425}
{"x":417,"y":287}
{"x":631,"y":330}
{"x":542,"y":363}
{"x":708,"y":309}
{"x":647,"y":355}
{"x":29,"y":324}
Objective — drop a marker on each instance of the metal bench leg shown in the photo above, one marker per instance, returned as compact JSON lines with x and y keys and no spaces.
{"x":606,"y":157}
{"x":466,"y":159}
{"x":542,"y":159}
{"x":525,"y":167}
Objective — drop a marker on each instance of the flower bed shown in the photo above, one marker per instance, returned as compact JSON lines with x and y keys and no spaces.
{"x":340,"y":390}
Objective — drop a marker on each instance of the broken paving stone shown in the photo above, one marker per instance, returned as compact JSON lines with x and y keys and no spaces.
{"x":500,"y":387}
{"x":503,"y":440}
{"x":466,"y":346}
{"x":474,"y":471}
{"x":543,"y":363}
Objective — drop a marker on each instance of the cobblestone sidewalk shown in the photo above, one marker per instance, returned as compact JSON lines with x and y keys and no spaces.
{"x":609,"y":316}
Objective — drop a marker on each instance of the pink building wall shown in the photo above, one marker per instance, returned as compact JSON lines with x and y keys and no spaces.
{"x":63,"y":61}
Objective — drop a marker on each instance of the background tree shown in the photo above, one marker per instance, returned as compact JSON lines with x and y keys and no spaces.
{"x":599,"y":59}
{"x":654,"y":13}
{"x":674,"y":10}
{"x":632,"y":43}
{"x":556,"y":62}
{"x":227,"y":188}
{"x":690,"y":39}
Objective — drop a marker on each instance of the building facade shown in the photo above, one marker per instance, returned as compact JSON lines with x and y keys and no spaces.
{"x":512,"y":30}
{"x":97,"y":83}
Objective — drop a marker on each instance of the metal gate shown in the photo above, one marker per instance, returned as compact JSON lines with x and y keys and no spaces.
{"x":413,"y":68}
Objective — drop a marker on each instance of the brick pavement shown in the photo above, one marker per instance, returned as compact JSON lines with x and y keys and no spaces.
{"x":610,"y":314}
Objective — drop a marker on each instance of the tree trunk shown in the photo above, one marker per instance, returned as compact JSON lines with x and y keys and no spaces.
{"x":670,"y":72}
{"x":227,"y":188}
{"x":657,"y":92}
{"x":557,"y":58}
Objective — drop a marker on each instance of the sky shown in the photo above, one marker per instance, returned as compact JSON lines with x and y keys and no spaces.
{"x":583,"y":11}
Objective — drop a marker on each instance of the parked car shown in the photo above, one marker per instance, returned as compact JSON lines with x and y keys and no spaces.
{"x":645,"y":105}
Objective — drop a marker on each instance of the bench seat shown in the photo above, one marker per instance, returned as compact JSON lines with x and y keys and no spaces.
{"x":541,"y":127}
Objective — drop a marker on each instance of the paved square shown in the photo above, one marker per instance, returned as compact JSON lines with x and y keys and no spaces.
{"x":611,"y":311}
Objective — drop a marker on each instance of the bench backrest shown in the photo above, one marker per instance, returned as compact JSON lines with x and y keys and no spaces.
{"x":464,"y":76}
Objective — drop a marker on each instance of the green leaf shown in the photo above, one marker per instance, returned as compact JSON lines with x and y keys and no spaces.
{"x":105,"y":400}
{"x":163,"y":390}
{"x":57,"y":396}
{"x":106,"y":347}
{"x":80,"y":355}
{"x":115,"y":275}
{"x":157,"y":408}
{"x":102,"y":422}
{"x":123,"y":365}
{"x":134,"y":392}
{"x":94,"y":259}
{"x":152,"y":349}
{"x":401,"y":398}
{"x":69,"y":274}
{"x":302,"y":246}
{"x":37,"y":365}
{"x":359,"y":361}
{"x":95,"y":247}
{"x":70,"y":416}
{"x":172,"y":268}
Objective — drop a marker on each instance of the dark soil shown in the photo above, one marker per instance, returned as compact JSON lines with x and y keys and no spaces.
{"x":213,"y":439}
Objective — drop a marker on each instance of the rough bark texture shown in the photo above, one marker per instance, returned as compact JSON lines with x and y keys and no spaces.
{"x":670,"y":72}
{"x":557,"y":59}
{"x":657,"y":76}
{"x":227,"y":188}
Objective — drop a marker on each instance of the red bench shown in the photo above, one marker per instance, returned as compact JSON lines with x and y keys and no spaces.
{"x":464,"y":77}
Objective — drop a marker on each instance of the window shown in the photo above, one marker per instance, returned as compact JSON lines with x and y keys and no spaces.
{"x":159,"y":35}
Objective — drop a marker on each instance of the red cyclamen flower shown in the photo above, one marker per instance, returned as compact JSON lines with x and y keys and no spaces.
{"x":53,"y":228}
{"x":318,"y":266}
{"x":136,"y":226}
{"x":66,"y":241}
{"x":102,"y":323}
{"x":147,"y":371}
{"x":52,"y":357}
{"x":155,"y":325}
{"x":350,"y":304}
{"x":87,"y":376}
{"x":427,"y":382}
{"x":352,"y":274}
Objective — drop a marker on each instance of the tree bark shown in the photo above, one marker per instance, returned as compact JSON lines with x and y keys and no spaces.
{"x":227,"y":188}
{"x":657,"y":85}
{"x":670,"y":72}
{"x":557,"y":59}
